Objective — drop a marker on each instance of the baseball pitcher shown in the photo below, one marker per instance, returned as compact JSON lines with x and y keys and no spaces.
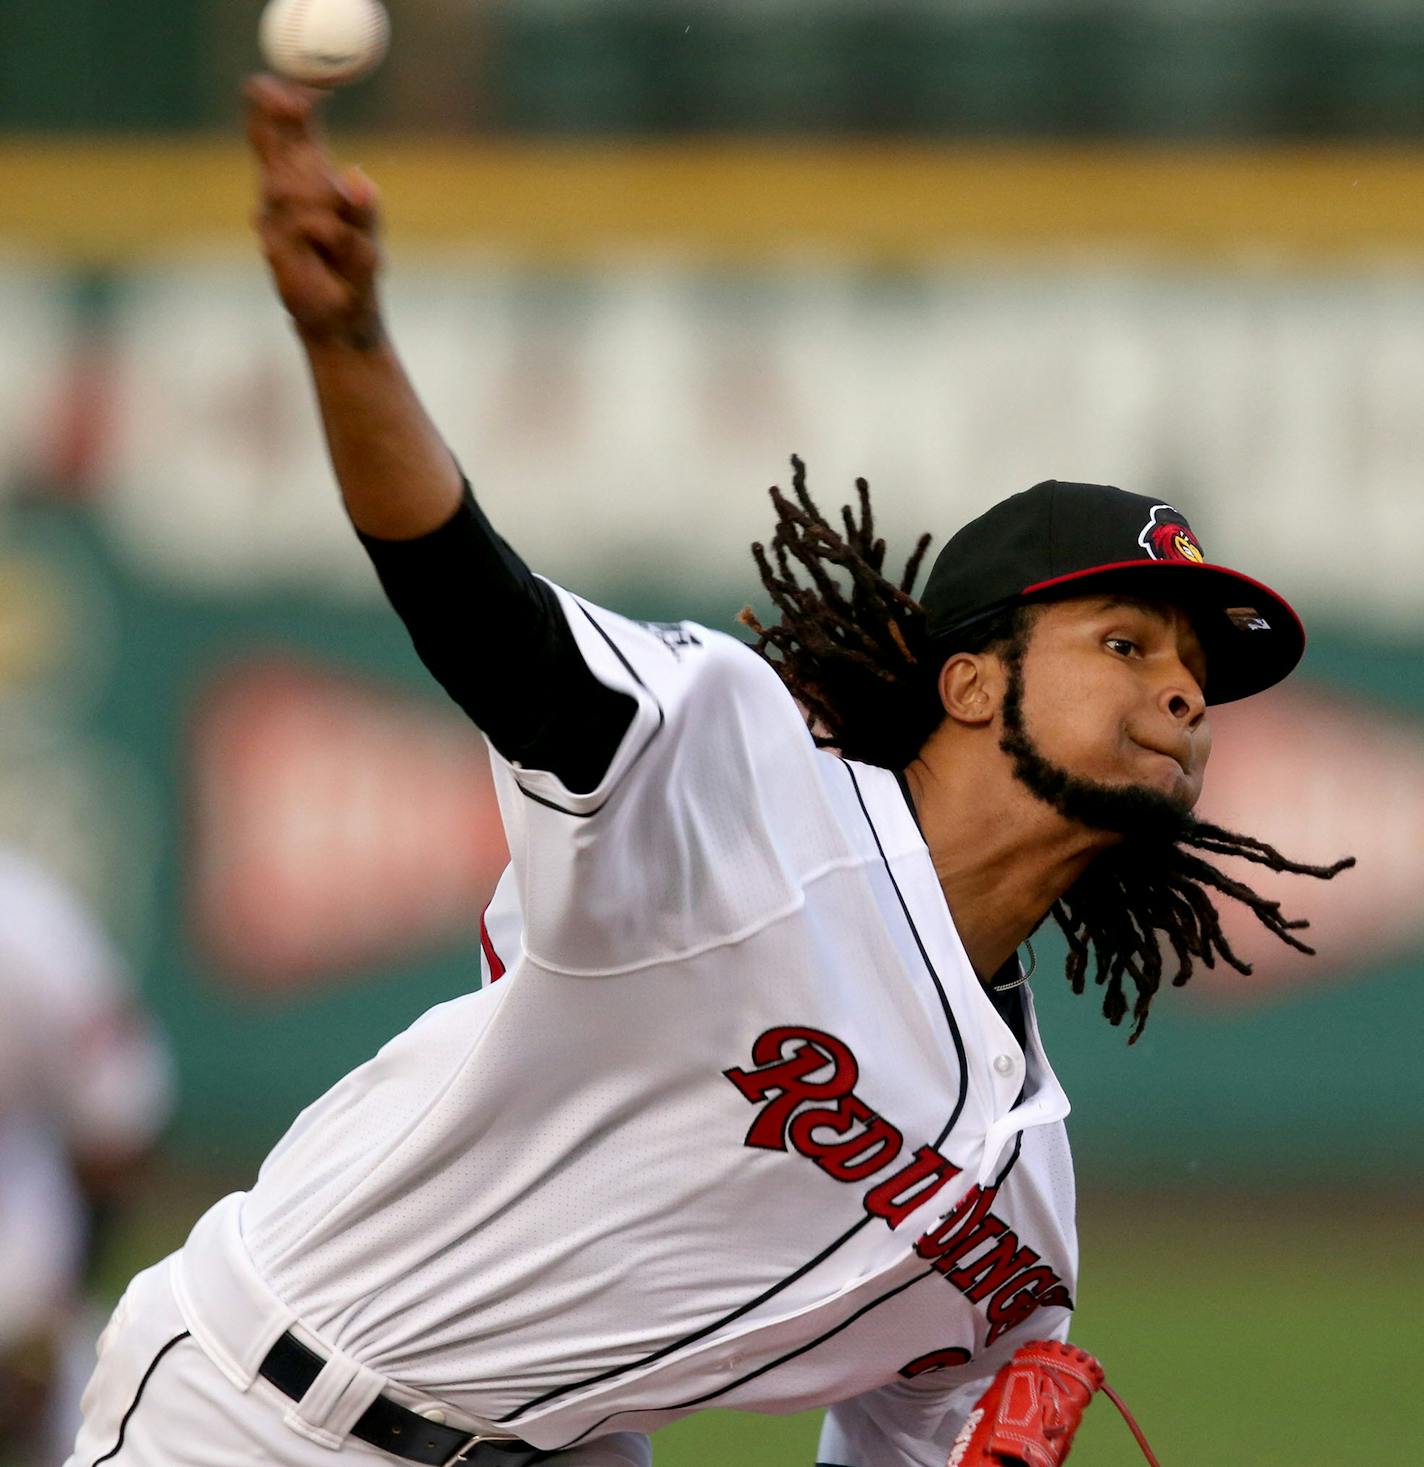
{"x":754,"y":1112}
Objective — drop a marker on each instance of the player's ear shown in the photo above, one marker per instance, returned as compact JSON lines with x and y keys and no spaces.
{"x":971,"y":687}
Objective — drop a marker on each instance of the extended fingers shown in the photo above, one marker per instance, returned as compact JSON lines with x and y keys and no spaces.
{"x":281,"y":128}
{"x":279,"y":114}
{"x":317,"y":225}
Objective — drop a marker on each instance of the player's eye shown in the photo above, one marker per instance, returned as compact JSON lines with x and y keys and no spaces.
{"x":1123,"y":646}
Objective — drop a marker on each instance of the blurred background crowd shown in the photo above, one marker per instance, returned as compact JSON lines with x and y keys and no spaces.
{"x":641,"y":251}
{"x":1180,"y":69}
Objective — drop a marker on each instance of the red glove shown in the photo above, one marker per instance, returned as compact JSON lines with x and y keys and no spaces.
{"x":1033,"y":1406}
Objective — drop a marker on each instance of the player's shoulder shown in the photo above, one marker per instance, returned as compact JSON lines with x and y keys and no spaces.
{"x":683,"y":651}
{"x":689,"y":640}
{"x":728,"y":671}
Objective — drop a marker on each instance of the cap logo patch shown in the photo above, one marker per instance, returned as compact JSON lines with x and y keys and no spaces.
{"x":1166,"y":536}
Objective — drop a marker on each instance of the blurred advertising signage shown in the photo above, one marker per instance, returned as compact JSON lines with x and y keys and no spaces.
{"x":648,"y":405}
{"x":1319,"y":777}
{"x":335,"y":826}
{"x":39,"y":375}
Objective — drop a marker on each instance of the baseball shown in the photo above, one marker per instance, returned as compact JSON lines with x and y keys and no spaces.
{"x":324,"y":43}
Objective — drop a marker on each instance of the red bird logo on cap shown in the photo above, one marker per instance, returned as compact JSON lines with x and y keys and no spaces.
{"x":1166,"y":536}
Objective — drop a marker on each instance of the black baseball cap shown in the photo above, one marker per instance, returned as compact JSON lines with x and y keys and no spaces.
{"x":1060,"y":539}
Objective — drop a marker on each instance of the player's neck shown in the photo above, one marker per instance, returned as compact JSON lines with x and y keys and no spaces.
{"x":1002,"y":856}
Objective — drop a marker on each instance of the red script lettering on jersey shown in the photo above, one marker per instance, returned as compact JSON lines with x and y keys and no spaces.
{"x":804,"y":1081}
{"x":848,"y":1140}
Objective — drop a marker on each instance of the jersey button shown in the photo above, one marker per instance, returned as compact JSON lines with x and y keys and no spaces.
{"x":435,"y":1417}
{"x":1004,"y":1064}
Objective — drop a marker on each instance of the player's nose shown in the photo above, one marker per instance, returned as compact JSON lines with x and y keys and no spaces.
{"x":1182,"y":698}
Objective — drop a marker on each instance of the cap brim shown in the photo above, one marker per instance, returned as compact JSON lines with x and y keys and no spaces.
{"x":1252,"y":637}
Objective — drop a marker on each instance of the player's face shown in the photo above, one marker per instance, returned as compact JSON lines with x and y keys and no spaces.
{"x":1111,"y":695}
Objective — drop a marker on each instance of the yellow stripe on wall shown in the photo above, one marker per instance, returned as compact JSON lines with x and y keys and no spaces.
{"x":105,"y":201}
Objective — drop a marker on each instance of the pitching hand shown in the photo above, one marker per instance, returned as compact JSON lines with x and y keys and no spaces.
{"x":317,"y":224}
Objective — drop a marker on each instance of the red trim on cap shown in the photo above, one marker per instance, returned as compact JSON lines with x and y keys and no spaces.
{"x":1179,"y":565}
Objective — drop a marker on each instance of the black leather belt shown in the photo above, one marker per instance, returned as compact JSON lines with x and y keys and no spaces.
{"x":292,"y":1368}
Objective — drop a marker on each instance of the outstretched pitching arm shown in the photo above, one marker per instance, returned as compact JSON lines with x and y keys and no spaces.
{"x":493,"y":634}
{"x":319,"y":231}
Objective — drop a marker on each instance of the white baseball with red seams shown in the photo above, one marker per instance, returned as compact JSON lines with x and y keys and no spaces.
{"x":324,"y":43}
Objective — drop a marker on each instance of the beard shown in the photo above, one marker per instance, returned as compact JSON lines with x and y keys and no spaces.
{"x":1133,"y":811}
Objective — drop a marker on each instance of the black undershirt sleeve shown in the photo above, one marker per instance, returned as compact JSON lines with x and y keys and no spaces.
{"x":495,"y":637}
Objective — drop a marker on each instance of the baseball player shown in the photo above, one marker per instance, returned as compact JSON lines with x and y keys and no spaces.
{"x":85,"y":1086}
{"x":753,"y":1112}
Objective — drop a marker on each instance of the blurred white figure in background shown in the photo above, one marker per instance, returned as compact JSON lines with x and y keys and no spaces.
{"x":85,"y":1087}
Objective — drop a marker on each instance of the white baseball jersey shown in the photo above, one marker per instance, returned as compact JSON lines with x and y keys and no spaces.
{"x":81,"y":1076}
{"x":737,"y":1126}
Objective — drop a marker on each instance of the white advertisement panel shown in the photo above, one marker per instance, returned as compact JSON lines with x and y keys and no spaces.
{"x":624,"y":424}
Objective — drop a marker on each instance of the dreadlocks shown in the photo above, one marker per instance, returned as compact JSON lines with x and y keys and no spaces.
{"x":859,"y":660}
{"x":852,"y":658}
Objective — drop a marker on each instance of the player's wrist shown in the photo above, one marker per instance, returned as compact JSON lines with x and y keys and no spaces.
{"x":363,"y":335}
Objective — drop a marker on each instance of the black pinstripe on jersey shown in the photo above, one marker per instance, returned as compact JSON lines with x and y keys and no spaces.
{"x":953,"y":1026}
{"x":138,"y":1396}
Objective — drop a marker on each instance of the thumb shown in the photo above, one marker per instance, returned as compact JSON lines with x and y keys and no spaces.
{"x":361,"y":197}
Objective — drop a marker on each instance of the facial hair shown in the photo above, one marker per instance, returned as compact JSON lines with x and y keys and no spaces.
{"x":1134,"y":811}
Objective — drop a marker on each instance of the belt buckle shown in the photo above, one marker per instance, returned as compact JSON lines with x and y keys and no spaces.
{"x":463,"y":1453}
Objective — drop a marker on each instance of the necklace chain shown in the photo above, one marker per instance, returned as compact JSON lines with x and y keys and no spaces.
{"x":1023,"y":976}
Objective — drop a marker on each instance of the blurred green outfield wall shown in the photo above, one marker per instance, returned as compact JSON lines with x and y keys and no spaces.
{"x":314,"y":945}
{"x":212,"y":724}
{"x":207,"y":720}
{"x":1213,"y":69}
